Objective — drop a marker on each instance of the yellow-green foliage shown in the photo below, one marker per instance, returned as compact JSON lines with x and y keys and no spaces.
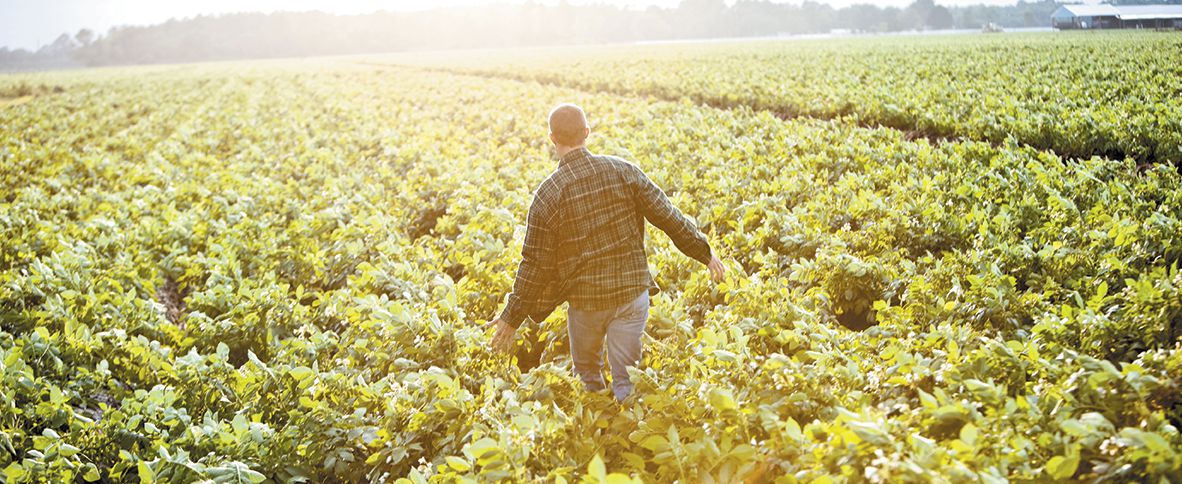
{"x":280,"y":270}
{"x":1113,"y":94}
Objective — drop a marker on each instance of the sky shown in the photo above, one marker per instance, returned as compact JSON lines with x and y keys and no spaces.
{"x":30,"y":24}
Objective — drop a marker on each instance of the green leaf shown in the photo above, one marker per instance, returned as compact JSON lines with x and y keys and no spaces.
{"x":145,"y":473}
{"x":792,"y":429}
{"x":1075,"y":427}
{"x":481,"y":447}
{"x":1155,"y":442}
{"x":301,"y":373}
{"x":870,"y":432}
{"x":1060,"y":467}
{"x":634,"y":460}
{"x":928,"y":400}
{"x":968,"y":434}
{"x":67,"y":450}
{"x":724,"y":355}
{"x":655,"y":443}
{"x":722,"y":399}
{"x":235,"y":473}
{"x":239,"y":423}
{"x":15,"y":472}
{"x":460,"y":465}
{"x":596,"y":469}
{"x":92,"y":473}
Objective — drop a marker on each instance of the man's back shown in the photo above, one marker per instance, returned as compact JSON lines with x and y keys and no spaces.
{"x":586,"y":226}
{"x":601,"y":261}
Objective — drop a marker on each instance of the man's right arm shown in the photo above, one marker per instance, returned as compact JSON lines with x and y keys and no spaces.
{"x":659,"y":211}
{"x":532,"y":295}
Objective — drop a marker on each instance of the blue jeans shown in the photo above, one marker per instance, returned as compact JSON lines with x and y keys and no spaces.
{"x":622,"y":327}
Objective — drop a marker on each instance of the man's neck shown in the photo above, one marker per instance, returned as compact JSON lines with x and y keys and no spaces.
{"x":563,"y":150}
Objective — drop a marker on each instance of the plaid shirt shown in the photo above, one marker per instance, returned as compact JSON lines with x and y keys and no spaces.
{"x":584,"y":238}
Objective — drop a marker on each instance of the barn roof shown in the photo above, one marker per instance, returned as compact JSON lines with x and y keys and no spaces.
{"x":1123,"y":12}
{"x":1091,"y":10}
{"x":1136,"y":12}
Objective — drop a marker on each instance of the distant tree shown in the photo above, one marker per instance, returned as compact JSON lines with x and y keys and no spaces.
{"x":939,"y":17}
{"x":915,"y":16}
{"x":702,"y":18}
{"x":815,"y":17}
{"x":294,"y":34}
{"x":863,"y":17}
{"x":84,"y":37}
{"x":1028,"y":19}
{"x":52,"y":56}
{"x":63,"y":45}
{"x":702,"y":6}
{"x":922,"y":5}
{"x":761,"y":17}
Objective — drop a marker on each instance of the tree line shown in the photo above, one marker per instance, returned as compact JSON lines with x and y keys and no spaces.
{"x":295,"y":34}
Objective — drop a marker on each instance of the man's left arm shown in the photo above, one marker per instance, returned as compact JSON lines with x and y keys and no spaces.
{"x":533,"y":275}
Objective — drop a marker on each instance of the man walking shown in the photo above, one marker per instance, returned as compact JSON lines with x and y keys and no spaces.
{"x":584,"y":243}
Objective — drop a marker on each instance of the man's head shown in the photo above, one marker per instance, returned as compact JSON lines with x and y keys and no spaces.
{"x":568,"y":126}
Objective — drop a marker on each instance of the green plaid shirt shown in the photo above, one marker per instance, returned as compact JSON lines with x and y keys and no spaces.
{"x":584,"y":238}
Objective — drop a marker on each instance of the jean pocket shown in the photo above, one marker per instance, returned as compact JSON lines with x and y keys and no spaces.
{"x":636,"y":309}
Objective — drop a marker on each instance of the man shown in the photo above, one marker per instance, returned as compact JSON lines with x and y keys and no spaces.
{"x":584,"y":243}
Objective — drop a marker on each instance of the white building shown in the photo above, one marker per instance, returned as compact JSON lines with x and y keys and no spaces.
{"x":1117,"y":16}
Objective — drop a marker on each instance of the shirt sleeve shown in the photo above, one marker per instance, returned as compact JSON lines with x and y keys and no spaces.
{"x":660,"y":212}
{"x":532,"y":291}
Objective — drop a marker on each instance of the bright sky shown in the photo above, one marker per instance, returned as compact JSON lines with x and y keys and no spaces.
{"x":32,"y":23}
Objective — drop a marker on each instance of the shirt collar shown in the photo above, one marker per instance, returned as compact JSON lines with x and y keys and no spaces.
{"x":580,"y":152}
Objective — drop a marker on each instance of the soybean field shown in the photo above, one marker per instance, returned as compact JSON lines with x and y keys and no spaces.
{"x":952,"y":259}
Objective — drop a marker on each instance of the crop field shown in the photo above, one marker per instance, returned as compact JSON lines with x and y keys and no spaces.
{"x":951,"y":259}
{"x":1102,"y":94}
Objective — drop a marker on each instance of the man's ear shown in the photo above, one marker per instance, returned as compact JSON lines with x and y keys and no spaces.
{"x":586,"y":133}
{"x":553,"y":140}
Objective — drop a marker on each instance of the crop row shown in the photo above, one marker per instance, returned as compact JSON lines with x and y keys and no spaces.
{"x":1101,"y":94}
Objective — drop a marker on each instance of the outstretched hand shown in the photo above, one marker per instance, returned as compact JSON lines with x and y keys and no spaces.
{"x":502,"y":340}
{"x":717,"y":270}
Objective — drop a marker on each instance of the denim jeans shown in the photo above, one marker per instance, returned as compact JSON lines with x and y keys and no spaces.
{"x":622,"y":328}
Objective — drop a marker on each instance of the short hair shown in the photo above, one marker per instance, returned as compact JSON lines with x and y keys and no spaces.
{"x":568,"y":124}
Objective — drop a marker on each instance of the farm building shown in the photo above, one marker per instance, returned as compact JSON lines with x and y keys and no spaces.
{"x":1117,"y":17}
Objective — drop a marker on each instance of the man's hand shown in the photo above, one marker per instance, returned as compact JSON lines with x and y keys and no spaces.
{"x":717,"y":270}
{"x":503,"y":339}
